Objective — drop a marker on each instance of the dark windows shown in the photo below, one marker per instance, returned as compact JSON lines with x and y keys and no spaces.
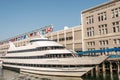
{"x":69,"y":38}
{"x":103,"y":42}
{"x":91,"y":43}
{"x":102,"y":16}
{"x":115,"y":12}
{"x":90,"y":19}
{"x":38,"y":49}
{"x":90,"y":31}
{"x":41,"y":56}
{"x":45,"y":65}
{"x":116,"y":41}
{"x":103,"y":29}
{"x":40,"y":40}
{"x":61,"y":39}
{"x":116,"y":26}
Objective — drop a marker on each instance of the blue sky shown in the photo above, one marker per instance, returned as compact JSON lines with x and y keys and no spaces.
{"x":21,"y":16}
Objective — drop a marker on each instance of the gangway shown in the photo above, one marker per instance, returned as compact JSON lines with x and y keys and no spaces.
{"x":111,"y":52}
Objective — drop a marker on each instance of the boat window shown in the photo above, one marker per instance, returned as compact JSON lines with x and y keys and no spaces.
{"x":50,"y":48}
{"x":39,"y":40}
{"x":66,"y":55}
{"x":47,"y":65}
{"x":38,"y":48}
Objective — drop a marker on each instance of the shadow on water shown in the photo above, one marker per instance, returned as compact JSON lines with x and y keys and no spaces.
{"x":102,"y":76}
{"x":11,"y":75}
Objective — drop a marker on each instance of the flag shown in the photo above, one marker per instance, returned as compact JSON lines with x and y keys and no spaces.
{"x":38,"y":33}
{"x":49,"y":29}
{"x":25,"y":36}
{"x":31,"y":34}
{"x":21,"y":37}
{"x":35,"y":33}
{"x":12,"y":40}
{"x":43,"y":31}
{"x":18,"y":39}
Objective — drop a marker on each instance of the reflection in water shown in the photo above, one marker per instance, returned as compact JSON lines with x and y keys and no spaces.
{"x":1,"y":74}
{"x":97,"y":75}
{"x":11,"y":75}
{"x":118,"y":76}
{"x":41,"y":77}
{"x":102,"y":76}
{"x":7,"y":75}
{"x":111,"y":76}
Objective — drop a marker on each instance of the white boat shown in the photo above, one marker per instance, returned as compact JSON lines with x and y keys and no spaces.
{"x":47,"y":57}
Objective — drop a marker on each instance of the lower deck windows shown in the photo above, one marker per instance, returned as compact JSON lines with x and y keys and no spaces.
{"x":47,"y":65}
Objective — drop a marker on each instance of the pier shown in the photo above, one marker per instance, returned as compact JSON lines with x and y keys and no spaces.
{"x":108,"y":70}
{"x":110,"y":65}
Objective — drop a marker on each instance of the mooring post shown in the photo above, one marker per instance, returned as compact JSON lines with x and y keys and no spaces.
{"x":118,"y":67}
{"x":103,"y":67}
{"x":97,"y":70}
{"x":111,"y":71}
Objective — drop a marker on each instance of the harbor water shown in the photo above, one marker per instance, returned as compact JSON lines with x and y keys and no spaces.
{"x":11,"y":75}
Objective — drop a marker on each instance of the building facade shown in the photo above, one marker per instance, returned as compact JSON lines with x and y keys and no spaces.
{"x":101,"y":26}
{"x":71,"y":38}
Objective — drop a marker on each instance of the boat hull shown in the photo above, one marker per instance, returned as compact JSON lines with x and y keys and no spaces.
{"x":84,"y":65}
{"x":68,"y":72}
{"x":54,"y":73}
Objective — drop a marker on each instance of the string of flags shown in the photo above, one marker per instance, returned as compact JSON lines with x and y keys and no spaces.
{"x":38,"y":32}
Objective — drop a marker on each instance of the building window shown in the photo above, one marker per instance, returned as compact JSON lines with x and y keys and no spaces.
{"x":115,"y":12}
{"x":61,"y":39}
{"x":116,"y":26}
{"x":90,"y":19}
{"x":69,"y":38}
{"x":92,"y":43}
{"x":90,"y":49}
{"x":102,"y":16}
{"x":103,"y":29}
{"x":55,"y":40}
{"x":116,"y":41}
{"x":90,"y":31}
{"x":104,"y":53}
{"x":103,"y":42}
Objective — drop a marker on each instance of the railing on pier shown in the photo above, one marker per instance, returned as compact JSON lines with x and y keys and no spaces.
{"x":111,"y":52}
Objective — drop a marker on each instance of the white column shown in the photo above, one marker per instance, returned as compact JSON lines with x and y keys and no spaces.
{"x":118,"y":67}
{"x":97,"y":70}
{"x":111,"y":71}
{"x":57,"y":36}
{"x":83,"y":42}
{"x":103,"y":67}
{"x":65,"y":37}
{"x":51,"y":36}
{"x":73,"y":41}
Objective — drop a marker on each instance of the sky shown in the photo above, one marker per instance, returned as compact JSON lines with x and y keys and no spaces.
{"x":21,"y":16}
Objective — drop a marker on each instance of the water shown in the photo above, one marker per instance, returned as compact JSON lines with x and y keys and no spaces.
{"x":102,"y":76}
{"x":11,"y":75}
